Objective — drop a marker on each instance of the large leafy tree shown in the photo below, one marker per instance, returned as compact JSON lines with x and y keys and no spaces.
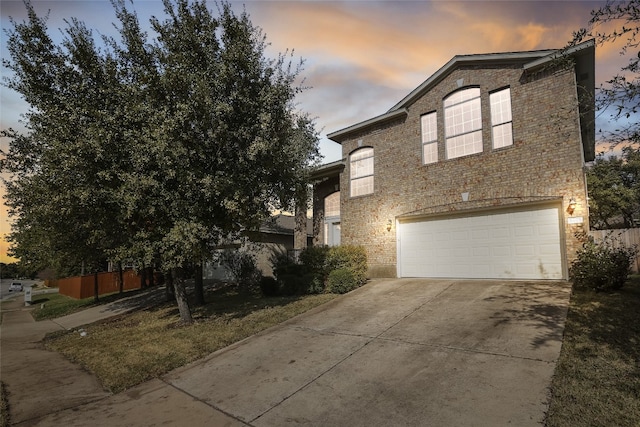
{"x":63,"y":169}
{"x":614,"y":182}
{"x":154,"y":151}
{"x":614,"y":191}
{"x":618,"y":22}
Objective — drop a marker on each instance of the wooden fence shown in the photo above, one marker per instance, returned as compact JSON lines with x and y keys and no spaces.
{"x":627,"y":237}
{"x":108,"y":282}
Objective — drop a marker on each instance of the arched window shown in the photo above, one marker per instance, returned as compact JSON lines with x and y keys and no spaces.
{"x":361,"y":172}
{"x":332,"y":205}
{"x":463,"y":123}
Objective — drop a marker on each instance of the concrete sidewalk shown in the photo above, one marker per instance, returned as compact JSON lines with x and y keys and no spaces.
{"x":394,"y":352}
{"x":41,"y":382}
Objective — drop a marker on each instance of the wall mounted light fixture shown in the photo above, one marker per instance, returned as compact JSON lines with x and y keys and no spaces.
{"x":572,"y":206}
{"x":389,"y":224}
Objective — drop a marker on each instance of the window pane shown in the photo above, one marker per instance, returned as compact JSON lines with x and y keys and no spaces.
{"x":502,"y":135}
{"x":464,"y":145}
{"x":429,"y":138}
{"x":360,"y":168}
{"x":463,"y":118}
{"x":429,"y":128}
{"x":502,"y":131}
{"x":332,"y":205}
{"x":500,"y":107}
{"x":463,"y":123}
{"x":362,"y":153}
{"x":430,"y":152}
{"x":361,"y":172}
{"x":461,"y":96}
{"x":362,"y":186}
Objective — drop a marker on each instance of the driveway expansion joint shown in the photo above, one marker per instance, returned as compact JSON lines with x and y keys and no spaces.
{"x":196,"y":398}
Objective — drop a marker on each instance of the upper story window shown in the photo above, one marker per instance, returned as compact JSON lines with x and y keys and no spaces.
{"x":429,"y":138}
{"x":361,"y":172}
{"x":463,"y":123}
{"x":501,"y":121}
{"x":332,"y":205}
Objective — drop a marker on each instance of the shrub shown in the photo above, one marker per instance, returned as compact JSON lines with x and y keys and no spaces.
{"x":292,"y":284}
{"x":282,"y":264}
{"x":314,"y":283}
{"x":314,"y":258}
{"x":601,"y":265}
{"x":341,"y":281}
{"x":311,"y":274}
{"x":349,"y":257}
{"x":269,"y":287}
{"x":242,"y":267}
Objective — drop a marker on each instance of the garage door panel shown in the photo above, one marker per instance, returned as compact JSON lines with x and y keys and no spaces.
{"x":518,"y":244}
{"x":528,"y":251}
{"x":524,"y":231}
{"x":547,"y":230}
{"x":501,"y":232}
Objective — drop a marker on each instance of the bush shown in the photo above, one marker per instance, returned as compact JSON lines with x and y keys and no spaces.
{"x":314,"y":258}
{"x":602,"y":266}
{"x":269,"y":287}
{"x":341,"y":281}
{"x":311,"y":275}
{"x":282,"y":264}
{"x":242,"y":266}
{"x":314,"y":283}
{"x":353,"y":258}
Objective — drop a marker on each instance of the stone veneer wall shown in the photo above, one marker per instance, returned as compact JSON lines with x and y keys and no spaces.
{"x":544,"y":164}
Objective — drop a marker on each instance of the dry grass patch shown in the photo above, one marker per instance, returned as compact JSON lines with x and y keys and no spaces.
{"x":132,"y":348}
{"x":597,"y":378}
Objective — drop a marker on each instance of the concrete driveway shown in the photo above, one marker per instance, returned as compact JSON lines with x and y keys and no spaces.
{"x":402,"y":352}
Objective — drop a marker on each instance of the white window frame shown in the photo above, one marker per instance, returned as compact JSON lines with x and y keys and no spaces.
{"x":361,"y":170}
{"x":429,"y":125}
{"x":501,"y":118}
{"x":332,"y":219}
{"x":330,"y":202}
{"x":463,"y":122}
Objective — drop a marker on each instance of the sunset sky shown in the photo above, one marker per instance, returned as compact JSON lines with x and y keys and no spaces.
{"x":361,"y":57}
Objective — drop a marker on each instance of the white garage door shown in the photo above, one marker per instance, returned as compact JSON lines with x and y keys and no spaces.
{"x":515,"y":245}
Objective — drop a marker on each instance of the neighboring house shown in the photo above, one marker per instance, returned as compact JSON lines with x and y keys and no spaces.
{"x":274,"y":236}
{"x":477,"y":173}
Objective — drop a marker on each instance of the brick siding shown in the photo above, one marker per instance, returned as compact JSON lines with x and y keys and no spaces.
{"x":545,"y":163}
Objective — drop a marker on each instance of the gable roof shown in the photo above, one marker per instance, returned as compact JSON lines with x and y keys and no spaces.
{"x":327,"y":170}
{"x":583,"y":53}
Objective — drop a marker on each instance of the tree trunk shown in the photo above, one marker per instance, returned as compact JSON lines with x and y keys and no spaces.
{"x":199,"y":287}
{"x":143,"y":277}
{"x":151,"y":276}
{"x":95,"y":287}
{"x":300,"y":231}
{"x":120,"y":277}
{"x":180,"y":290}
{"x":168,"y":287}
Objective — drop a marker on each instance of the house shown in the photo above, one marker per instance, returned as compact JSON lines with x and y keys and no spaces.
{"x":276,"y":235}
{"x":477,"y":173}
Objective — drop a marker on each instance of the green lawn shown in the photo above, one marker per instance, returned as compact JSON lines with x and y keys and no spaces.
{"x":597,"y":378}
